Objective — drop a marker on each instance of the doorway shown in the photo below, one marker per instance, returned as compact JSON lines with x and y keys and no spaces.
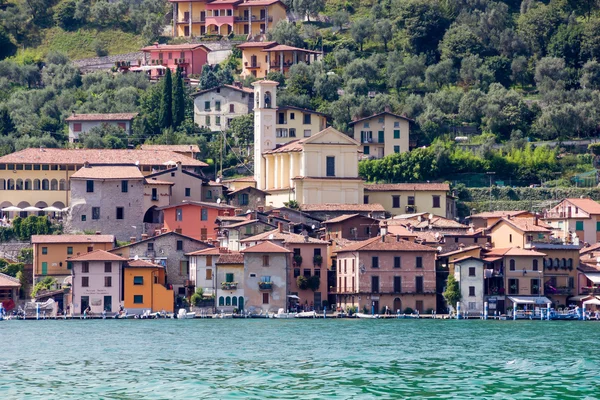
{"x":397,"y":305}
{"x":85,"y":302}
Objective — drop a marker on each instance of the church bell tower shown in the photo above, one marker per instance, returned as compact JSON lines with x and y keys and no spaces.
{"x":265,"y":108}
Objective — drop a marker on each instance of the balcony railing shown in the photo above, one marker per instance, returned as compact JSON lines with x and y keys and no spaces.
{"x":252,"y":65}
{"x":150,"y":254}
{"x":590,"y":290}
{"x":229,"y":285}
{"x":254,"y":19}
{"x":549,"y":290}
{"x":265,"y":286}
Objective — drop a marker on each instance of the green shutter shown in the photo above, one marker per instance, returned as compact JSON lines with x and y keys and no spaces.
{"x":579,"y":225}
{"x":44,"y":268}
{"x":381,"y":136}
{"x":598,"y":226}
{"x":396,"y":133}
{"x":367,"y":150}
{"x":228,"y":277}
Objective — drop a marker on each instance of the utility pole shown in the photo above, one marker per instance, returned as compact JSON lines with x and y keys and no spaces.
{"x":490,"y":174}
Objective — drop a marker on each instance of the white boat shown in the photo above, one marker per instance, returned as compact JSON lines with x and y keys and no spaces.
{"x":307,"y":314}
{"x":366,"y":316}
{"x":281,"y":314}
{"x":183,"y":314}
{"x":223,"y":315}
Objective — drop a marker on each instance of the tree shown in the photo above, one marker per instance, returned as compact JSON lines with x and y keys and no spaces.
{"x":6,"y":124}
{"x":286,"y":33}
{"x":384,"y":30}
{"x":208,"y":78}
{"x":45,"y":284}
{"x":64,"y":14}
{"x":361,"y":30}
{"x":440,"y":74}
{"x":166,"y":102}
{"x":7,"y":47}
{"x":242,"y":129}
{"x":340,"y":18}
{"x":423,"y":22}
{"x":538,"y":24}
{"x":308,"y":8}
{"x":178,"y":100}
{"x":459,"y":42}
{"x":590,"y":78}
{"x":452,"y":292}
{"x":550,"y":74}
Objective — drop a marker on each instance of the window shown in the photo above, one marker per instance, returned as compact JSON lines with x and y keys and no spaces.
{"x":183,"y":268}
{"x":397,"y":284}
{"x":209,"y":194}
{"x":597,"y":226}
{"x":95,"y":212}
{"x":535,"y":286}
{"x":85,"y":281}
{"x":232,"y":108}
{"x":89,"y":187}
{"x":396,"y":149}
{"x":265,"y":298}
{"x":419,"y":262}
{"x":77,"y":127}
{"x":307,"y":133}
{"x":85,"y":267}
{"x":44,"y":250}
{"x":419,"y":284}
{"x":367,"y":150}
{"x":571,"y":282}
{"x":436,"y":201}
{"x":375,"y":262}
{"x":124,"y":187}
{"x":120,"y":211}
{"x":107,"y":267}
{"x":396,"y":133}
{"x":208,"y":275}
{"x":513,"y":286}
{"x":207,"y":120}
{"x":511,"y":264}
{"x":108,"y":281}
{"x":397,"y":262}
{"x":579,"y":225}
{"x":180,"y":245}
{"x":203,"y":234}
{"x":307,"y":119}
{"x":83,"y":218}
{"x":243,"y":199}
{"x":265,"y":260}
{"x":138,"y":280}
{"x":306,"y":273}
{"x":535,"y":265}
{"x":108,"y":303}
{"x":138,"y":299}
{"x":375,"y":284}
{"x":366,"y":199}
{"x":151,"y":246}
{"x":217,"y":105}
{"x":204,"y":214}
{"x":471,"y":291}
{"x":395,"y":201}
{"x":154,"y":194}
{"x":188,"y":192}
{"x":178,"y":214}
{"x":229,"y":277}
{"x":292,"y":115}
{"x":510,"y":238}
{"x":218,"y":120}
{"x":292,"y":132}
{"x":410,"y":201}
{"x":330,"y":162}
{"x":69,"y":265}
{"x":471,"y":271}
{"x":396,"y":124}
{"x":365,"y":125}
{"x":207,"y":106}
{"x":90,"y":249}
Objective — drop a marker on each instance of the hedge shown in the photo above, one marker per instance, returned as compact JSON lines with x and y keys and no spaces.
{"x":525,"y":193}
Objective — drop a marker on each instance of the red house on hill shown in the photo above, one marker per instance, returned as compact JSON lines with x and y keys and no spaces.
{"x":195,"y":218}
{"x":158,"y":57}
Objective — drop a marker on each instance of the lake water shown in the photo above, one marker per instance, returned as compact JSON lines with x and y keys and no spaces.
{"x":306,"y":359}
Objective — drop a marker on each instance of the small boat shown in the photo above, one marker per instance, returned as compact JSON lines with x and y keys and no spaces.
{"x":281,"y":314}
{"x":223,"y":315}
{"x":183,"y":314}
{"x":569,"y":315}
{"x":366,"y":316}
{"x":307,"y":314}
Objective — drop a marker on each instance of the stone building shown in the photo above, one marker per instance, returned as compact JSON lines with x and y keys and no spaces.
{"x":215,"y":108}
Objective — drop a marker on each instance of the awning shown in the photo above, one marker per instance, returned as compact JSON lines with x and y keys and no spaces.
{"x":293,"y":296}
{"x":594,"y":277}
{"x":579,"y":298}
{"x":530,"y":300}
{"x":593,"y":301}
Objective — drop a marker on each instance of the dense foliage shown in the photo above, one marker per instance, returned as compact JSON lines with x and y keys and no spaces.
{"x":23,"y":228}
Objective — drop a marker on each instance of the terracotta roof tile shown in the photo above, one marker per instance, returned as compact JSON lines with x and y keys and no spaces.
{"x":377,"y":115}
{"x":199,"y":204}
{"x":590,"y":249}
{"x":513,"y":251}
{"x":341,"y":218}
{"x":283,"y":47}
{"x":231,"y":258}
{"x":178,"y":148}
{"x":102,"y":117}
{"x":391,"y":243}
{"x":400,"y":231}
{"x":294,"y":145}
{"x":242,"y":179}
{"x":232,"y":87}
{"x":244,"y":223}
{"x":98,"y":255}
{"x":498,"y":214}
{"x":9,"y":281}
{"x":464,"y":249}
{"x":255,"y":44}
{"x":388,"y":187}
{"x":526,"y":224}
{"x":588,"y":205}
{"x":212,"y":251}
{"x":342,"y":207}
{"x":153,"y":181}
{"x":266,"y":247}
{"x":252,"y":3}
{"x":141,"y":264}
{"x":98,"y":156}
{"x":285,"y":237}
{"x":108,"y":172}
{"x":35,"y":239}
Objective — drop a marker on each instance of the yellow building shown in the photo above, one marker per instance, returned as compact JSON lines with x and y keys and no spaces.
{"x":382,"y":134}
{"x":144,"y":288}
{"x":319,"y":169}
{"x":222,"y":17}
{"x":519,"y":232}
{"x":297,"y":123}
{"x":412,"y":198}
{"x":40,"y":177}
{"x":50,"y":253}
{"x":260,"y":58}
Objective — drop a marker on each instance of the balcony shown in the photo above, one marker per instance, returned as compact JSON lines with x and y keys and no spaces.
{"x":265,"y":286}
{"x":590,"y":290}
{"x":181,"y":61}
{"x":558,"y":214}
{"x":252,"y":65}
{"x":229,"y":285}
{"x":254,"y":19}
{"x":560,"y":291}
{"x":150,"y":254}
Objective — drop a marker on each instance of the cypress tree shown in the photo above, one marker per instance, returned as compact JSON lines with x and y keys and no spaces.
{"x":178,"y":100}
{"x":166,"y":102}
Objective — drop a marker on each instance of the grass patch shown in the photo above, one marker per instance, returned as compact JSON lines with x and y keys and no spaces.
{"x":80,"y":43}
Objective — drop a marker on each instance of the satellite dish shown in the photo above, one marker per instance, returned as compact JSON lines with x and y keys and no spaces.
{"x":136,"y":257}
{"x":313,"y":226}
{"x":218,"y":180}
{"x":271,"y":237}
{"x":219,"y":201}
{"x":430,"y":216}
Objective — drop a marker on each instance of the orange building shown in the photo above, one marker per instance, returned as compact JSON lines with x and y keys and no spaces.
{"x":50,"y":253}
{"x":260,"y":58}
{"x":195,"y":219}
{"x":144,"y":288}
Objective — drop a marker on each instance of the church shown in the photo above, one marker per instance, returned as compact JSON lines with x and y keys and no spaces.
{"x":321,"y":168}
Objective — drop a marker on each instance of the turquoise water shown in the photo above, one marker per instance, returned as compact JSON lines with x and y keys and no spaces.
{"x":307,"y":359}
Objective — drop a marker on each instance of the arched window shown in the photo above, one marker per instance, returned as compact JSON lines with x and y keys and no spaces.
{"x":570,"y":263}
{"x":62,"y":185}
{"x":547,"y":262}
{"x":535,"y":265}
{"x":54,"y":184}
{"x":234,"y":301}
{"x":221,"y":301}
{"x":556,"y":262}
{"x":45,"y":184}
{"x":2,"y":184}
{"x":512,"y":265}
{"x":563,"y":263}
{"x":19,"y":184}
{"x":267,"y":99}
{"x":27,"y":184}
{"x":227,"y":301}
{"x":11,"y":184}
{"x":36,"y":184}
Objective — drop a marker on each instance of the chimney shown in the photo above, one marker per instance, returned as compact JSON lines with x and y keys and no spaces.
{"x":261,"y":209}
{"x":144,"y":236}
{"x":280,"y":227}
{"x":132,"y":239}
{"x":86,"y":164}
{"x":179,"y":165}
{"x":461,"y":246}
{"x":156,"y":44}
{"x":215,"y":242}
{"x":535,"y":220}
{"x":388,"y":109}
{"x":397,"y":238}
{"x":384,"y":228}
{"x":223,"y":250}
{"x":164,"y":230}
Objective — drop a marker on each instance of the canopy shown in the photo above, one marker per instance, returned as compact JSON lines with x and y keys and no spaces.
{"x":594,"y":301}
{"x":293,"y":296}
{"x":11,"y":208}
{"x":530,"y":300}
{"x":594,"y":277}
{"x":51,"y":209}
{"x":32,"y":209}
{"x":579,"y":298}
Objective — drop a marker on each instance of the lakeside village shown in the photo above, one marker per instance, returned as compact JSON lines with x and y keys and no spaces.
{"x":144,"y":232}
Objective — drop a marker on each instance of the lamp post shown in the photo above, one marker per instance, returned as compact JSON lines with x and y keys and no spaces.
{"x":490,"y":174}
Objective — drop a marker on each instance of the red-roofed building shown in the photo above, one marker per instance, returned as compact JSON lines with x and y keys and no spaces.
{"x":82,"y":123}
{"x":575,"y":218}
{"x":189,"y":57}
{"x":260,"y":58}
{"x":195,"y":219}
{"x":382,"y":134}
{"x":413,"y":198}
{"x":145,"y":288}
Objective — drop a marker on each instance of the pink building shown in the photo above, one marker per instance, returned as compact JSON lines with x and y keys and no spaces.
{"x":159,"y":57}
{"x":386,"y":271}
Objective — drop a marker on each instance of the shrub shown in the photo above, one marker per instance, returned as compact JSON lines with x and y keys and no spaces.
{"x":100,"y":48}
{"x":302,"y":282}
{"x":408,"y":310}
